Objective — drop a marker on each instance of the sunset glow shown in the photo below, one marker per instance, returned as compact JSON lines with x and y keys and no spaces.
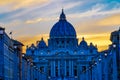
{"x":30,"y":20}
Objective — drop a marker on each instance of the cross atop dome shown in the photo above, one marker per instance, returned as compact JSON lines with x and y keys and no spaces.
{"x":42,"y":39}
{"x":83,"y":39}
{"x":62,"y":15}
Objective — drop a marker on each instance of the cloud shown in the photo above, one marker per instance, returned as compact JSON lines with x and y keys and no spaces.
{"x":113,"y":20}
{"x":72,"y":4}
{"x":34,"y":21}
{"x":100,"y":25}
{"x":49,"y":12}
{"x":32,"y":11}
{"x":96,"y":11}
{"x":6,"y":2}
{"x":40,"y":20}
{"x":16,"y":9}
{"x":16,"y":4}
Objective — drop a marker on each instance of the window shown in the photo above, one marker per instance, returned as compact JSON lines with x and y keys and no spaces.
{"x":91,"y":51}
{"x":83,"y":68}
{"x":56,"y":70}
{"x":57,"y":42}
{"x":49,"y":72}
{"x":41,"y":68}
{"x":118,"y":38}
{"x":75,"y":70}
{"x":32,"y":51}
{"x":62,"y":42}
{"x":67,"y":42}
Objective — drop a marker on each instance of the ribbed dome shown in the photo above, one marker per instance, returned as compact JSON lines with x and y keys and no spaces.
{"x":62,"y":28}
{"x":41,"y":44}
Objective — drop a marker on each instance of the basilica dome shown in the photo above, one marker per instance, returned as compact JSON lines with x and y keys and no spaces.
{"x":62,"y":28}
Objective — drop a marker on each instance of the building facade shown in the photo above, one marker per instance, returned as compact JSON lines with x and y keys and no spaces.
{"x":6,"y":56}
{"x":14,"y":66}
{"x":66,"y":59}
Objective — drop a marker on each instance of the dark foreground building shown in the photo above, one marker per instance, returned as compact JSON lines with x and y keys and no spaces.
{"x":14,"y":66}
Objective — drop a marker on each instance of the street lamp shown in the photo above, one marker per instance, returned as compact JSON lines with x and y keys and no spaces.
{"x":105,"y":54}
{"x":100,"y":59}
{"x":95,"y":63}
{"x":114,"y":46}
{"x":27,"y":60}
{"x":23,"y":55}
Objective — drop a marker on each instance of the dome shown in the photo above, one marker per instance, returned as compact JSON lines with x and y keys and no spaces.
{"x":83,"y":44}
{"x":32,"y":47}
{"x":41,"y":44}
{"x":92,"y":47}
{"x":62,"y":28}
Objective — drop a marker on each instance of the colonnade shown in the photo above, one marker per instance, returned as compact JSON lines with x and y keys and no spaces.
{"x":62,"y":69}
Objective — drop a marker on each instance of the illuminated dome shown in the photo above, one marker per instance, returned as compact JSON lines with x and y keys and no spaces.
{"x":62,"y":28}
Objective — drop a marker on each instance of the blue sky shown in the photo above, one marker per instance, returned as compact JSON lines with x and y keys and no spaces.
{"x":35,"y":18}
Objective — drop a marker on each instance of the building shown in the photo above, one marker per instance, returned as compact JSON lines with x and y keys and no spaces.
{"x":62,"y":59}
{"x":6,"y":56}
{"x":65,"y":58}
{"x":14,"y":66}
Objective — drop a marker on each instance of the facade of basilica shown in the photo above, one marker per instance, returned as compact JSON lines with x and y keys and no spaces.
{"x":66,"y":59}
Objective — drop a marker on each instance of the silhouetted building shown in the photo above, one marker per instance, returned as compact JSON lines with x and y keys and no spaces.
{"x":14,"y":66}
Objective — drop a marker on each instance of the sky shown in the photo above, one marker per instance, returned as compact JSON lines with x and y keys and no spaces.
{"x":30,"y":20}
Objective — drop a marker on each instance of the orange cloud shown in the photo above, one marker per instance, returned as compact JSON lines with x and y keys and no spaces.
{"x":102,"y":25}
{"x":22,"y":3}
{"x":5,"y":2}
{"x":113,"y":20}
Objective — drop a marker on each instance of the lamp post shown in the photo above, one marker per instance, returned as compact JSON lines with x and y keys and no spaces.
{"x":116,"y":65}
